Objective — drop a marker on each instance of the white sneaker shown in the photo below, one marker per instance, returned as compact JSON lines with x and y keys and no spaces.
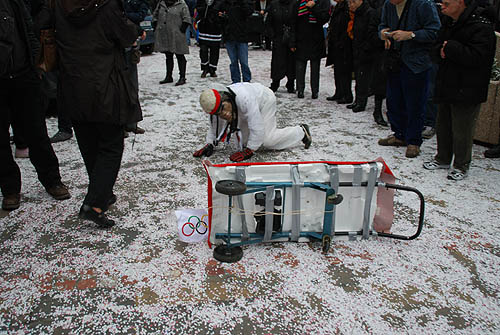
{"x":428,"y":132}
{"x":457,"y":174}
{"x":435,"y":165}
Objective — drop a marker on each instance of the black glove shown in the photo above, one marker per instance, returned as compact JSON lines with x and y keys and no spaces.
{"x":241,"y":155}
{"x":207,"y":151}
{"x":184,"y":27}
{"x":154,"y":24}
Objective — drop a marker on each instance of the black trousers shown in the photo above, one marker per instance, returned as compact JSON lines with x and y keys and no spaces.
{"x":363,"y":75}
{"x":101,"y":146}
{"x":22,"y":95}
{"x":63,"y":116}
{"x":300,"y":70}
{"x":181,"y":63}
{"x":209,"y":57}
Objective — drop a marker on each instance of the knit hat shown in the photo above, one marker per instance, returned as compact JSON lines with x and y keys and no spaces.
{"x":210,"y":101}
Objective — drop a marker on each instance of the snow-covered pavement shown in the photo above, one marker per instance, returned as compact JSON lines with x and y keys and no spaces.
{"x":61,"y":275}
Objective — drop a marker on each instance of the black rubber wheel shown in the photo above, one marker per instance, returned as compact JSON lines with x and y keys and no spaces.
{"x":228,"y":255}
{"x":335,"y":199}
{"x":230,"y":187}
{"x":147,"y":49}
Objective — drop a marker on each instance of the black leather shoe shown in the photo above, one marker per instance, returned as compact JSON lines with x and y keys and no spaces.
{"x":167,"y":80}
{"x":358,"y":108}
{"x":379,"y":120}
{"x":290,"y":87}
{"x":344,"y":101}
{"x":351,"y":106}
{"x":314,"y":96}
{"x":180,"y":82}
{"x":300,"y":95}
{"x":333,"y":98}
{"x":11,"y":202}
{"x":100,"y":219}
{"x":493,"y":152}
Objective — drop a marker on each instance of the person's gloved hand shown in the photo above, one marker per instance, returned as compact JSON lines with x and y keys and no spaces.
{"x":184,"y":27}
{"x":207,"y":151}
{"x":241,"y":155}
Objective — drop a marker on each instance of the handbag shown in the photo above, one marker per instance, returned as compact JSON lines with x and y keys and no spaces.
{"x":391,"y":62}
{"x":48,"y":51}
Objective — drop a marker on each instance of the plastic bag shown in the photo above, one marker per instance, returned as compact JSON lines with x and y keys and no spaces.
{"x":192,"y":225}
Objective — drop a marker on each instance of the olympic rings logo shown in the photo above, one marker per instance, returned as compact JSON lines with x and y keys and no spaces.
{"x":204,"y":227}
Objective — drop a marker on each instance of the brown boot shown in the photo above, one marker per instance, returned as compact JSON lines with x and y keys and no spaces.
{"x":11,"y":202}
{"x":392,"y":141}
{"x":412,"y":151}
{"x":58,"y":191}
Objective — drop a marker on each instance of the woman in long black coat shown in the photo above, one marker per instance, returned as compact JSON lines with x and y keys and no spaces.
{"x":340,"y":53}
{"x":282,"y":58}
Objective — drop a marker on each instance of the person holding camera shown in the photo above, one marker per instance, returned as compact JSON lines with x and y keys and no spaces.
{"x":408,"y":28}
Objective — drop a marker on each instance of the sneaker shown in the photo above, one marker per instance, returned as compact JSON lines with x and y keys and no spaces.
{"x":204,"y":74}
{"x":493,"y":152}
{"x":59,"y":191}
{"x":102,"y":221}
{"x":435,"y":165}
{"x":11,"y":202}
{"x":392,"y":141}
{"x":457,"y":174}
{"x":428,"y":132}
{"x":61,"y":136}
{"x":307,"y":139}
{"x":412,"y":151}
{"x":22,"y":153}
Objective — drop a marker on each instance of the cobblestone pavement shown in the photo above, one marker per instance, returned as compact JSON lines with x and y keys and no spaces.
{"x":61,"y":275}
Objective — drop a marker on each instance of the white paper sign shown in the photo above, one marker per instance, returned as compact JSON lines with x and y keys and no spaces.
{"x":192,"y":224}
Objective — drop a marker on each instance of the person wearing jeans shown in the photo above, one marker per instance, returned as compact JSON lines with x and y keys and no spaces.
{"x":234,"y":15}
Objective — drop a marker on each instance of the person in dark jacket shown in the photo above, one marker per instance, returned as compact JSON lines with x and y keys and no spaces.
{"x":379,"y":77}
{"x":340,"y":53}
{"x":235,"y":14}
{"x":20,"y":92}
{"x":282,"y":58}
{"x":210,"y":35}
{"x":361,"y":51}
{"x":307,"y":18}
{"x":136,"y":11}
{"x":465,"y":50}
{"x":98,"y":91}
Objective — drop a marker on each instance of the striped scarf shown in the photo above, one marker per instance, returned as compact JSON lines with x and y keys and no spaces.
{"x":303,"y":10}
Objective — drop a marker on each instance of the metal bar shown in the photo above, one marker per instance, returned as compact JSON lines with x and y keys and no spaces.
{"x":334,"y":183}
{"x":295,"y":203}
{"x":269,"y":213}
{"x":229,"y":222}
{"x":240,"y":176}
{"x":372,"y":178}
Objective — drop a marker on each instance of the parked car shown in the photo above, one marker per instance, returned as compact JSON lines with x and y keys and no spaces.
{"x":147,"y":45}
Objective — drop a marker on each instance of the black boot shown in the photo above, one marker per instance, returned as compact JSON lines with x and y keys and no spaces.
{"x":88,"y":213}
{"x":170,"y":67}
{"x":377,"y":113}
{"x":274,"y":85}
{"x":181,"y":62}
{"x":290,"y":86}
{"x":493,"y":152}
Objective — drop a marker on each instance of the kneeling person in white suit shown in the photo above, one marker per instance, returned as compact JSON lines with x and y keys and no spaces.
{"x":247,"y":111}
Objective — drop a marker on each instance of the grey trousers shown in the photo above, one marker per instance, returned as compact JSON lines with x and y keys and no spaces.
{"x":455,"y":124}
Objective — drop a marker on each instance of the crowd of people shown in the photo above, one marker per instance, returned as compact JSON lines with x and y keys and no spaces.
{"x":431,"y":61}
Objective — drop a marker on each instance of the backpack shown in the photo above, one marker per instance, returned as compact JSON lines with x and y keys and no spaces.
{"x":7,"y":24}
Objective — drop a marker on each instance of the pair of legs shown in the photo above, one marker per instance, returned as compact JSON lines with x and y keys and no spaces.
{"x":406,"y":99}
{"x":209,"y":57}
{"x":181,"y":63}
{"x":363,"y":75}
{"x":455,"y":124}
{"x":300,"y":71}
{"x":238,"y":55}
{"x":22,"y":96}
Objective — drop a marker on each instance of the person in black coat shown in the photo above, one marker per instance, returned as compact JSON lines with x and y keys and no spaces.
{"x":210,"y":35}
{"x":465,"y":49}
{"x":361,"y":52}
{"x":20,"y":92}
{"x":340,"y":53}
{"x":282,"y":58}
{"x":307,"y":18}
{"x":98,"y":90}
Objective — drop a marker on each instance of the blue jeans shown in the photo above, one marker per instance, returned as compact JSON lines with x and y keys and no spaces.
{"x":238,"y":55}
{"x":406,"y":100}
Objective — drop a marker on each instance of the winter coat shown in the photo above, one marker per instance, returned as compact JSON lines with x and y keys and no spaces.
{"x":19,"y":47}
{"x":423,"y":20}
{"x":256,"y":110}
{"x":339,"y":43}
{"x":361,"y":44}
{"x":282,"y":60}
{"x":209,"y":22}
{"x":236,"y":14}
{"x":379,"y":78}
{"x":169,"y":21}
{"x":308,"y":38}
{"x":95,"y":82}
{"x":464,"y":75}
{"x":136,"y":10}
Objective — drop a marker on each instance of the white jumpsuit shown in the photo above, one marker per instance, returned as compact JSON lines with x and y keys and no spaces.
{"x":256,"y":106}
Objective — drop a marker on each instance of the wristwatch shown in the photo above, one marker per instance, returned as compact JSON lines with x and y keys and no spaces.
{"x":412,"y":35}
